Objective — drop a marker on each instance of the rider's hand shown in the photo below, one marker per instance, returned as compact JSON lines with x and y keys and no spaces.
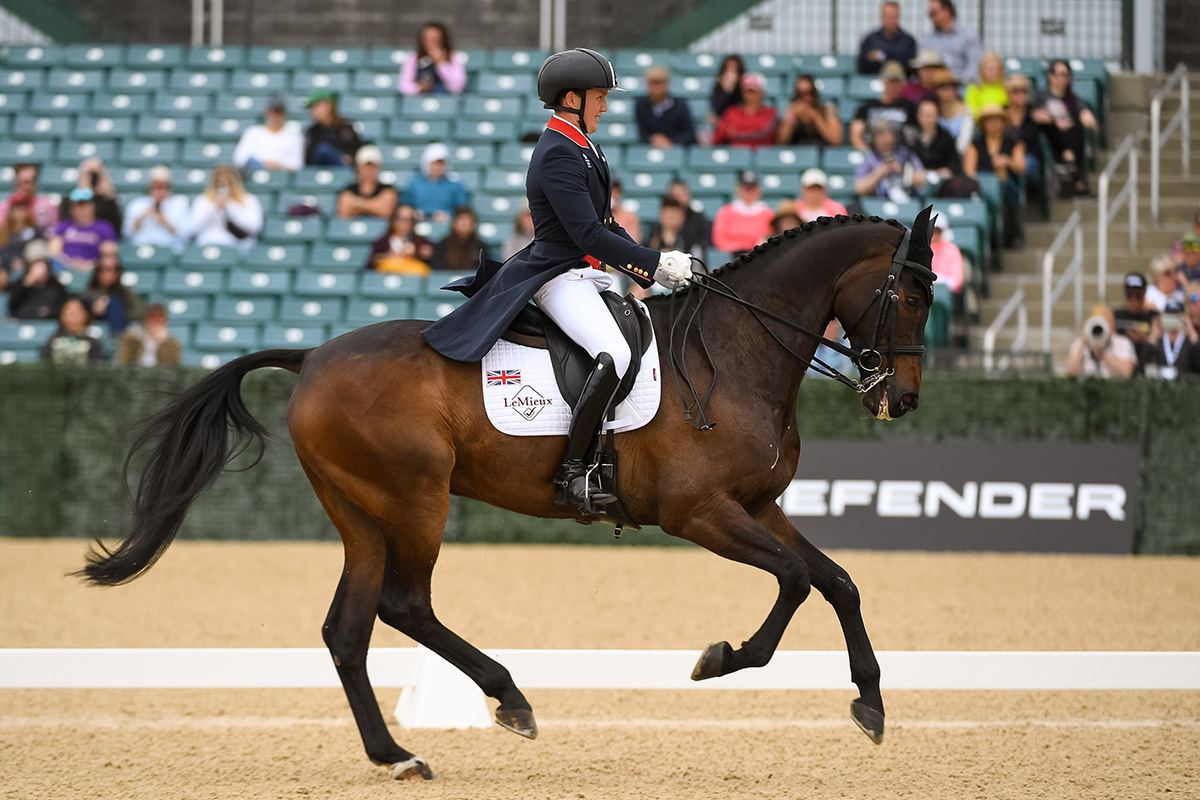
{"x":674,"y":269}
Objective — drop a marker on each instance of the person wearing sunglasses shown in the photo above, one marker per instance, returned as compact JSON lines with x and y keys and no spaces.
{"x":1016,"y":87}
{"x":808,"y":120}
{"x":1063,"y":117}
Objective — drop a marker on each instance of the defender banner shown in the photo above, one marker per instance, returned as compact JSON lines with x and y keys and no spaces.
{"x":1033,"y":497}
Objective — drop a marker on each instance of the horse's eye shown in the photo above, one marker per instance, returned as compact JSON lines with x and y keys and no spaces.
{"x":913,"y":303}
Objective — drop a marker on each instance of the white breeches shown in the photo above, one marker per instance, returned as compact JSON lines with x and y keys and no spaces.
{"x":573,"y":301}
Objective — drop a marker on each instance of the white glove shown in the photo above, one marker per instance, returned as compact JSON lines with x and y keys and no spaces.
{"x":674,"y":269}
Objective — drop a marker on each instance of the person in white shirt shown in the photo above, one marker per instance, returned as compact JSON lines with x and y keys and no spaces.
{"x":272,"y":145}
{"x":226,"y":214}
{"x":158,"y":217}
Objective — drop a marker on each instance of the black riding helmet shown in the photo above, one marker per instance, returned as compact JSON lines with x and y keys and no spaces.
{"x":577,"y":71}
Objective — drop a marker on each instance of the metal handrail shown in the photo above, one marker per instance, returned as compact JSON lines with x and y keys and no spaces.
{"x":1072,"y":229}
{"x":1128,"y":194}
{"x":1159,"y":135}
{"x":1016,"y":304}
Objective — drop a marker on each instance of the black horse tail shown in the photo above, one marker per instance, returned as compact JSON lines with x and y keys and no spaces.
{"x":190,"y":446}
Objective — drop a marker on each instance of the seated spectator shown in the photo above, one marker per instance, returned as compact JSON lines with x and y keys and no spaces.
{"x":1017,"y":89}
{"x":956,"y":117}
{"x":889,"y":170}
{"x":889,"y":43}
{"x":434,"y":193}
{"x":401,"y":249}
{"x":106,"y":297}
{"x":1189,"y":263}
{"x":1097,"y":352}
{"x":1177,"y":248}
{"x":928,"y":66}
{"x":522,"y":233}
{"x":1167,"y":282}
{"x":330,"y":141}
{"x":70,"y":344}
{"x":786,"y":217}
{"x":807,"y":120}
{"x":890,"y":106}
{"x":94,"y":175}
{"x":1063,"y":117}
{"x":696,"y":226}
{"x":629,"y":220}
{"x":746,"y":221}
{"x":727,"y":89}
{"x":999,"y":150}
{"x":1172,"y":353}
{"x":989,"y":89}
{"x":151,"y":343}
{"x":670,"y":233}
{"x":814,"y":197}
{"x":436,"y":67}
{"x":25,"y":183}
{"x":76,"y":241}
{"x":947,"y":258}
{"x":17,"y":230}
{"x":271,"y":145}
{"x":226,"y":214}
{"x":367,"y":197}
{"x":1134,"y":320}
{"x":932,"y":143}
{"x":663,"y":120}
{"x":959,"y":47}
{"x":460,"y":250}
{"x":37,"y":294}
{"x":1191,"y":320}
{"x":158,"y":217}
{"x":751,"y":123}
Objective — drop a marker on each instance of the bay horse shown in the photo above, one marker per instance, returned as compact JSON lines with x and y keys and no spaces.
{"x":387,"y":429}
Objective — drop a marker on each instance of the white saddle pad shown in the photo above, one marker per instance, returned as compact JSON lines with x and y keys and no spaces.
{"x":522,"y":397}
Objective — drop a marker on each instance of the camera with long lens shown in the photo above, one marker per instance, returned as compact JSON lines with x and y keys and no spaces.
{"x":1098,"y":330}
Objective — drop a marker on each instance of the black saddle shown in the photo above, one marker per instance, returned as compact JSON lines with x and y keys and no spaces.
{"x":532,"y":328}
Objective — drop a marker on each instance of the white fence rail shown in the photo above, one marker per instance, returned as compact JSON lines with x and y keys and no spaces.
{"x":1128,"y":196}
{"x":1072,"y":229}
{"x":1159,"y":135}
{"x":1015,"y":304}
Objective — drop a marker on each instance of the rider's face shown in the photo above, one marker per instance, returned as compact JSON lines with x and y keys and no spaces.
{"x":597,"y":104}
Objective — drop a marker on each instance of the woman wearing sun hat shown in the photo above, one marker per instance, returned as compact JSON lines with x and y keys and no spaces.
{"x":999,"y":149}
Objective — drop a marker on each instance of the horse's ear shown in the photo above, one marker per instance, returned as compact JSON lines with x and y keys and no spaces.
{"x":922,"y":233}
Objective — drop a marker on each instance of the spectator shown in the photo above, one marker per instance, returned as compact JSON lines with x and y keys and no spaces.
{"x":522,"y":232}
{"x":1168,"y":283}
{"x":76,"y":242}
{"x":947,"y":258}
{"x":151,"y":343}
{"x":271,"y":145}
{"x":727,"y":90}
{"x":38,"y":294}
{"x":226,"y":214}
{"x":17,"y":230}
{"x":367,"y":197}
{"x":158,"y":217}
{"x":94,"y":175}
{"x":1189,"y":265}
{"x":990,"y":88}
{"x":106,"y":297}
{"x":746,"y":221}
{"x":670,"y":233}
{"x":1097,"y":352}
{"x":1017,"y":89}
{"x":959,"y":47}
{"x":890,"y":106}
{"x":401,"y":249}
{"x":932,"y":143}
{"x":928,"y":65}
{"x":814,"y":197}
{"x":696,"y":226}
{"x":889,"y":170}
{"x":999,"y":150}
{"x":956,"y":117}
{"x":807,"y":120}
{"x":1172,"y":353}
{"x":663,"y":121}
{"x":25,"y":182}
{"x":70,"y":344}
{"x":1191,"y":320}
{"x":434,"y":193}
{"x":889,"y":43}
{"x":330,"y":141}
{"x":752,"y":122}
{"x":1134,"y":320}
{"x":627,"y":219}
{"x":1177,"y":248}
{"x":786,"y":217}
{"x":460,"y":250}
{"x":436,"y":67}
{"x":1063,"y":116}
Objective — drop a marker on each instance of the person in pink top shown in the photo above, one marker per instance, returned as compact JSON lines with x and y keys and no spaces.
{"x":746,"y":221}
{"x":814,"y":201}
{"x":947,"y":258}
{"x":751,"y":123}
{"x":25,"y":181}
{"x":435,"y":67}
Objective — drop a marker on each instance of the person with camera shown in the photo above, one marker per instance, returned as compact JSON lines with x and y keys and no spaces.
{"x":226,"y":214}
{"x":1097,"y":352}
{"x":94,"y":175}
{"x":157,"y":217}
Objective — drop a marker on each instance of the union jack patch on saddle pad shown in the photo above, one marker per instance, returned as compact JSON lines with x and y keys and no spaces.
{"x":503,"y":377}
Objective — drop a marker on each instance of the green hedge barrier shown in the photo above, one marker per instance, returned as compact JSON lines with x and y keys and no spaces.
{"x":66,"y":432}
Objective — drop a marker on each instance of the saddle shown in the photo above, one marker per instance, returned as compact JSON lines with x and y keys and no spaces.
{"x":533,"y":328}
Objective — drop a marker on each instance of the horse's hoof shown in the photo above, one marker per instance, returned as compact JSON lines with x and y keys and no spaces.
{"x":518,"y":720}
{"x":415,"y":769}
{"x":868,"y":720}
{"x":713,"y":661}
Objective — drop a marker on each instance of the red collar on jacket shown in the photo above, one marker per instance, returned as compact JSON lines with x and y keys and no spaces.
{"x":568,"y":130}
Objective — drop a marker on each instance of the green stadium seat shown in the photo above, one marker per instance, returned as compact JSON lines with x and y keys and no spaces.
{"x":247,"y":106}
{"x":506,"y":59}
{"x":29,"y":80}
{"x":389,"y":285}
{"x":322,"y":179}
{"x":142,"y":153}
{"x":861,"y":88}
{"x":474,"y":59}
{"x":130,"y":180}
{"x":57,"y":104}
{"x":13,"y":102}
{"x":768,"y":64}
{"x":646,"y":183}
{"x":719,"y":158}
{"x":74,"y":80}
{"x":60,"y":178}
{"x":88,"y":127}
{"x":326,"y":284}
{"x":26,"y":333}
{"x":245,"y":81}
{"x":294,"y":231}
{"x":24,"y":57}
{"x":16,"y":150}
{"x":75,"y":150}
{"x":223,"y":128}
{"x":107,"y":104}
{"x":309,"y":310}
{"x":968,"y":241}
{"x":493,"y":234}
{"x":375,"y":82}
{"x":136,"y":81}
{"x":143,"y":281}
{"x":786,"y":159}
{"x":403,"y":155}
{"x":215,"y":58}
{"x":339,"y":257}
{"x":428,"y":308}
{"x":209,"y":256}
{"x":610,"y":133}
{"x":831,"y":87}
{"x":274,"y":256}
{"x":274,"y":58}
{"x":473,"y":155}
{"x":307,"y":335}
{"x":184,"y":281}
{"x":353,"y":231}
{"x":498,"y":207}
{"x":691,"y":87}
{"x":506,"y":83}
{"x":94,"y":55}
{"x":841,"y":160}
{"x":367,"y":106}
{"x":821,"y":65}
{"x":181,"y":104}
{"x":29,"y":127}
{"x":210,"y":360}
{"x":184,"y":81}
{"x":504,"y":181}
{"x":191,"y":181}
{"x":515,"y":155}
{"x":643,"y":157}
{"x":371,"y":130}
{"x":161,"y":127}
{"x":708,"y":204}
{"x":706,"y":64}
{"x":206,"y":154}
{"x":305,"y":81}
{"x":638,"y":61}
{"x":4,"y":125}
{"x":148,"y":56}
{"x":433,"y":231}
{"x":137,"y":256}
{"x":244,"y":310}
{"x":225,"y":337}
{"x":491,"y":108}
{"x":188,"y":309}
{"x":777,"y":183}
{"x":385,"y":58}
{"x":645,"y":207}
{"x":20,"y":355}
{"x":470,"y":131}
{"x":325,"y":201}
{"x":369,"y":311}
{"x":419,"y":130}
{"x":430,"y":107}
{"x":332,"y":59}
{"x":248,"y":281}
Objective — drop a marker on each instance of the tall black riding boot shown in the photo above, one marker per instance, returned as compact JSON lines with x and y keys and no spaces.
{"x":571,"y":483}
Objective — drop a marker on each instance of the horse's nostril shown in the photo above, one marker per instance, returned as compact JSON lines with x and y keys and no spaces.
{"x":909,"y":400}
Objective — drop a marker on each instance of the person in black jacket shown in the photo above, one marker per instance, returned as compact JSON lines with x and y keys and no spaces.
{"x":889,"y":43}
{"x":37,"y":294}
{"x":330,"y":141}
{"x":663,"y":120}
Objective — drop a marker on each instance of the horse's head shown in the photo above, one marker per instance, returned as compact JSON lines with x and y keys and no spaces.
{"x":883,"y":303}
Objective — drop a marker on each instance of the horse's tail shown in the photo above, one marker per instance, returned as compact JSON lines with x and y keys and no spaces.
{"x":189,"y":446}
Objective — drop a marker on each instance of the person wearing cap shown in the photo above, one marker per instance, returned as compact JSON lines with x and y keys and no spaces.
{"x":807,"y":120}
{"x":25,"y":183}
{"x":272,"y":144}
{"x":1177,"y":248}
{"x":151,"y":343}
{"x":750,"y":123}
{"x":331,"y":140}
{"x":663,"y":121}
{"x":890,"y":106}
{"x":745,"y":222}
{"x":226,"y":214}
{"x":93,"y":174}
{"x":889,"y":43}
{"x":1172,"y":353}
{"x":435,"y":67}
{"x":814,"y":197}
{"x":1189,"y":263}
{"x":990,"y":86}
{"x":76,"y":241}
{"x":434,"y":193}
{"x":958,"y":46}
{"x":1165,"y":282}
{"x":1134,"y":320}
{"x":158,"y":217}
{"x":889,"y":169}
{"x":367,"y":197}
{"x":928,"y":67}
{"x":564,"y":269}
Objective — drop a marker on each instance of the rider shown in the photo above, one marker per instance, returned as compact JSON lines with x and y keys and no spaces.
{"x":564,"y":269}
